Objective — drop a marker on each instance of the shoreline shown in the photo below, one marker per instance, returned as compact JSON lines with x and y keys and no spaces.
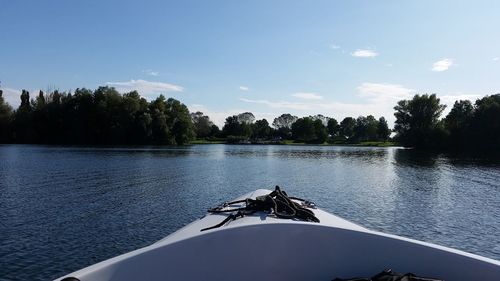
{"x":292,"y":143}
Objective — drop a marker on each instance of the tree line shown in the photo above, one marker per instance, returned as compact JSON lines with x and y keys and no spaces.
{"x":104,"y":116}
{"x":312,"y":129}
{"x":101,"y":117}
{"x":470,"y":126}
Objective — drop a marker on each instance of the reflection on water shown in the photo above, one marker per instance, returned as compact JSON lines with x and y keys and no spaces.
{"x":63,"y":208}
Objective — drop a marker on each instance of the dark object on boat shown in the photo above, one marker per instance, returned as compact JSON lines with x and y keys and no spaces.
{"x":389,"y":275}
{"x":277,"y":203}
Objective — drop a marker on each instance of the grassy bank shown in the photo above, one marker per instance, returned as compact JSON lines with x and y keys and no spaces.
{"x":292,"y":142}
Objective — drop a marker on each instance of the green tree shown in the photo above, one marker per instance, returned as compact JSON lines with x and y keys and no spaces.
{"x":383,"y":131}
{"x":239,"y":126}
{"x":347,"y":127}
{"x":40,"y":120}
{"x":283,"y":125}
{"x":214,"y":131}
{"x":365,"y":129}
{"x":485,"y":125}
{"x":320,"y":117}
{"x":246,"y":118}
{"x":180,"y":122}
{"x":458,"y":122}
{"x":333,"y":127}
{"x":417,"y":121}
{"x":232,"y":126}
{"x":202,"y":124}
{"x":5,"y":119}
{"x":22,"y":124}
{"x":159,"y":127}
{"x":320,"y":131}
{"x":308,"y":130}
{"x":261,"y":129}
{"x":303,"y":130}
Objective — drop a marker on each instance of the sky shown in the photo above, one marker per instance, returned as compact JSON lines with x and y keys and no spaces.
{"x":336,"y":58}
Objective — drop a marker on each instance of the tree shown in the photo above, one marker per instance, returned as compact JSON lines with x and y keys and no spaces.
{"x":458,"y":122}
{"x":134,"y":118}
{"x":202,"y":124}
{"x":308,"y":130}
{"x":239,"y":125}
{"x":5,"y":119}
{"x":485,"y":125}
{"x":333,"y":127}
{"x":246,"y":118}
{"x":417,"y":121}
{"x":347,"y":127}
{"x":40,"y":121}
{"x":322,"y":118}
{"x":283,"y":124}
{"x":303,"y":130}
{"x":383,"y":131}
{"x":365,"y":128}
{"x":214,"y":131}
{"x":23,"y":125}
{"x":103,"y":116}
{"x":179,"y":122}
{"x":261,"y":129}
{"x":320,"y":131}
{"x":232,"y":126}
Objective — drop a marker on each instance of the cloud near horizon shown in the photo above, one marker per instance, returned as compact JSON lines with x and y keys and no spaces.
{"x":244,"y":88}
{"x":12,"y":97}
{"x":307,"y":96}
{"x":442,"y":65}
{"x":145,"y":88}
{"x":218,"y":117}
{"x":377,"y":99}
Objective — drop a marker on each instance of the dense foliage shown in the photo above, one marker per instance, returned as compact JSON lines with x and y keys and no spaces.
{"x":467,"y":126}
{"x":5,"y":119}
{"x":417,"y":121}
{"x":311,"y":129}
{"x":102,"y":116}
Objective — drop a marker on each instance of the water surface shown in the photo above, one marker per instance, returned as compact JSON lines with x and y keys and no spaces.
{"x":64,"y":208}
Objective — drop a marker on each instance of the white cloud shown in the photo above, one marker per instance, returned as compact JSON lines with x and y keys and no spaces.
{"x":449,"y":100}
{"x":244,"y":88}
{"x":308,"y":96}
{"x":377,"y":99}
{"x":380,"y":92}
{"x":364,"y":53}
{"x":442,"y":65}
{"x":145,"y":88}
{"x":151,"y":72}
{"x":282,"y":104}
{"x":496,"y":58}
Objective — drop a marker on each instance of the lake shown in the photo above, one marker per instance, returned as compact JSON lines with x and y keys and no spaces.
{"x":64,"y":208}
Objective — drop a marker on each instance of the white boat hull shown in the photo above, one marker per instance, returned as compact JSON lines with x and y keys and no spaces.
{"x":262,"y":247}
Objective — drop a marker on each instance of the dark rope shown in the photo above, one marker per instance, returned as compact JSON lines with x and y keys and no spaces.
{"x":229,"y":218}
{"x":277,"y":202}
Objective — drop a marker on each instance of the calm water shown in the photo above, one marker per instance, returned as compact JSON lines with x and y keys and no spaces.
{"x":63,"y":208}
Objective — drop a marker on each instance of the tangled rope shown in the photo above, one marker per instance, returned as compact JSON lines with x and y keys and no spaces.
{"x":277,"y":203}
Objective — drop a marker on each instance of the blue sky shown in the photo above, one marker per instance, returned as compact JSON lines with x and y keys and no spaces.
{"x":336,"y":58}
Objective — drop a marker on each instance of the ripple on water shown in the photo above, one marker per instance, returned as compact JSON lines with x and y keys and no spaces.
{"x":63,"y":208}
